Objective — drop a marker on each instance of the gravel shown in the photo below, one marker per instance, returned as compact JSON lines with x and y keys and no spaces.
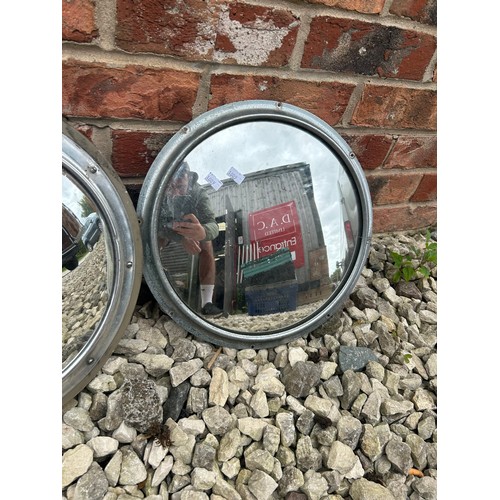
{"x":84,"y":300}
{"x":347,"y":412}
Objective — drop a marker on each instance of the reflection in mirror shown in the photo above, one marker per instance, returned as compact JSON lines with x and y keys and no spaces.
{"x":101,"y":260}
{"x":258,"y":226}
{"x":86,"y":275}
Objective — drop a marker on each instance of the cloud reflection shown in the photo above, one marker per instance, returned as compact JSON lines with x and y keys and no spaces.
{"x":259,"y":145}
{"x":72,"y":197}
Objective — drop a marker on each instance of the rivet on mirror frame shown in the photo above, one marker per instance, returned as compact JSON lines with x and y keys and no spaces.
{"x":352,"y":155}
{"x":93,"y":169}
{"x":129,"y":264}
{"x":185,"y":130}
{"x":90,"y":361}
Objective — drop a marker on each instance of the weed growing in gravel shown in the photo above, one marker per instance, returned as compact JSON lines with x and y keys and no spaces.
{"x":160,"y":433}
{"x":416,"y":261}
{"x":407,"y":357}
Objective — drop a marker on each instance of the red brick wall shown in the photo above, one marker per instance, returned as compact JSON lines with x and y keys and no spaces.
{"x":135,"y":72}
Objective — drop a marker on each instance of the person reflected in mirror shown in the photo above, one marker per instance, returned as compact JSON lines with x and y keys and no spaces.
{"x":187,"y":218}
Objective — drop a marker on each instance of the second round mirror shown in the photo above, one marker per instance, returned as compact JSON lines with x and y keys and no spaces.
{"x":101,"y":260}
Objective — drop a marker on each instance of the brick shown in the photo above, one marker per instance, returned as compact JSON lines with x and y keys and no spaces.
{"x":402,"y":218}
{"x":358,"y":47}
{"x":427,"y":189}
{"x":363,"y":6}
{"x":395,"y":107}
{"x":327,"y":100}
{"x":95,"y":90}
{"x":134,"y":151}
{"x":78,"y":21}
{"x":257,"y":36}
{"x":370,"y":149}
{"x":184,"y":29}
{"x":423,"y":11}
{"x":393,"y":188}
{"x":234,"y":32}
{"x":413,"y":152}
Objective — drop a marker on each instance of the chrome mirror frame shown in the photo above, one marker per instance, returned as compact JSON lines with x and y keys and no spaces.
{"x":166,"y":163}
{"x":97,"y":179}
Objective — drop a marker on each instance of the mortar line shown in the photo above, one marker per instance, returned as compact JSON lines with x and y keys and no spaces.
{"x":105,"y":16}
{"x":117,"y":59}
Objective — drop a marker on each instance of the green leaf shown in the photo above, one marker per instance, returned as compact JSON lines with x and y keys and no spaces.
{"x":430,"y":254}
{"x":407,"y":259}
{"x":397,"y":258}
{"x":407,"y":358}
{"x":423,"y":270}
{"x":408,"y":273}
{"x":396,"y":277}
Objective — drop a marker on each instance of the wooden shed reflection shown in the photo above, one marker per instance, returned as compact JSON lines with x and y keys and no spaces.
{"x":269,"y":211}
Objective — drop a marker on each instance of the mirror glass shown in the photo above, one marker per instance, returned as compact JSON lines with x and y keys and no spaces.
{"x":256,"y":224}
{"x":86,"y":267}
{"x":101,"y":260}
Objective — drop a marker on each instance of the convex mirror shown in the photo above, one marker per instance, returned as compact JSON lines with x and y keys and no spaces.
{"x":261,"y":209}
{"x":252,"y":228}
{"x":101,"y":260}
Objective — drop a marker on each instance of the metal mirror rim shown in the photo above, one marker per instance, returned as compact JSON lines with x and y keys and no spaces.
{"x":166,"y":163}
{"x":85,"y":164}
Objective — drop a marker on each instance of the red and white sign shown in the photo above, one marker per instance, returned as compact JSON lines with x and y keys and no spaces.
{"x":275,"y":228}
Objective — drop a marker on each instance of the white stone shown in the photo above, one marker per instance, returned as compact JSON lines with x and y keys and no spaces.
{"x":114,"y":365}
{"x":112,"y":470}
{"x":124,"y":433}
{"x":259,"y":404}
{"x":341,"y":458}
{"x":218,"y":391}
{"x":76,"y":462}
{"x":79,"y":419}
{"x":70,"y":437}
{"x":162,"y":470}
{"x":357,"y":471}
{"x":296,"y":354}
{"x":156,"y":454}
{"x":253,"y":427}
{"x":318,"y":406}
{"x":182,"y":371}
{"x":328,"y":369}
{"x":262,"y":485}
{"x":229,"y":445}
{"x":133,"y":470}
{"x":103,"y":446}
{"x":231,"y":468}
{"x":203,"y":479}
{"x":192,"y":425}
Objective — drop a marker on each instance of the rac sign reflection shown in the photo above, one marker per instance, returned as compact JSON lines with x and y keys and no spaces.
{"x":275,"y":228}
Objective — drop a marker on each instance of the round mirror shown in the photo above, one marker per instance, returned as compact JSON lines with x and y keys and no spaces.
{"x":256,"y":224}
{"x":101,"y":260}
